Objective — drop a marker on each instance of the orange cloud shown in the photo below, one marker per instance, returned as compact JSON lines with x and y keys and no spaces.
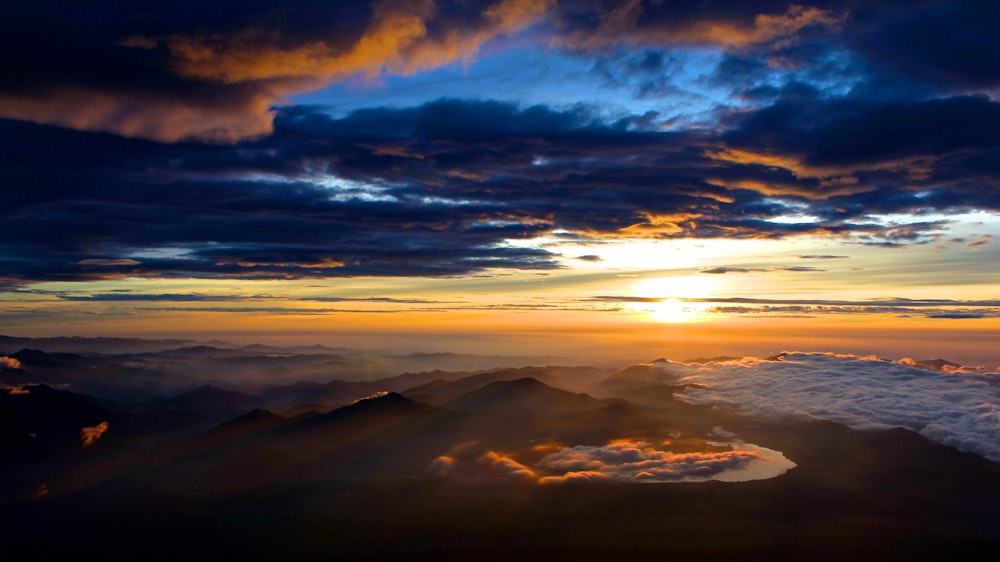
{"x":90,"y":435}
{"x":222,"y":86}
{"x":441,"y":466}
{"x":835,"y":180}
{"x":397,"y":41}
{"x":504,"y":466}
{"x":9,"y":363}
{"x":163,"y":117}
{"x":626,"y":23}
{"x":640,"y":461}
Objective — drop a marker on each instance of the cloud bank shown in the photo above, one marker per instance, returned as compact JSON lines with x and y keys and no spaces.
{"x":958,"y":409}
{"x":640,"y":461}
{"x":165,"y":141}
{"x":621,"y":460}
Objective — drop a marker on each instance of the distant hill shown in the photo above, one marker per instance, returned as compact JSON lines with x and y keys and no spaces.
{"x":207,"y":398}
{"x":940,"y":365}
{"x":97,"y":345}
{"x":371,"y":411}
{"x":39,"y":420}
{"x":637,"y":376}
{"x":335,"y":392}
{"x":523,"y":397}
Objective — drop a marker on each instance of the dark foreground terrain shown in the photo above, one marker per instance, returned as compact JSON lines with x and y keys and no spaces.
{"x":307,"y":471}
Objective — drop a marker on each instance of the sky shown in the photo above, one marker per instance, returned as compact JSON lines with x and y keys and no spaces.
{"x":592,"y":179}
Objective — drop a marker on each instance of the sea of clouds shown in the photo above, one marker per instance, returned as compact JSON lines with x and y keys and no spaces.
{"x":620,"y":460}
{"x":959,"y":409}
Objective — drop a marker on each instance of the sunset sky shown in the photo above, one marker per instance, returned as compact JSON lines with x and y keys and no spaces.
{"x":599,"y":179}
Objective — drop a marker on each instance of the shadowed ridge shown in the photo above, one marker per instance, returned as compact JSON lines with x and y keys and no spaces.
{"x":30,"y":356}
{"x":376,"y":410}
{"x":206,"y":397}
{"x":254,"y":422}
{"x":637,"y":376}
{"x":41,"y":420}
{"x":332,"y":393}
{"x":254,"y":418}
{"x":523,"y":397}
{"x":940,"y":365}
{"x":388,"y":403}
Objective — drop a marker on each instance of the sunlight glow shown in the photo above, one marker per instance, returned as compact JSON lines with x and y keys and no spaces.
{"x":668,"y":297}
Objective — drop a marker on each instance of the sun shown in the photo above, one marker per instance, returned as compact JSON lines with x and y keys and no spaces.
{"x":671,"y":299}
{"x":671,"y":310}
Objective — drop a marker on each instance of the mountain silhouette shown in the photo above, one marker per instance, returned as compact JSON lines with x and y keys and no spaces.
{"x":41,"y":420}
{"x":206,"y":398}
{"x":523,"y":397}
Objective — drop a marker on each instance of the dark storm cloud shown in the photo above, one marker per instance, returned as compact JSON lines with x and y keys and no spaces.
{"x":952,"y":45}
{"x":433,"y":190}
{"x":957,"y":315}
{"x":440,"y":189}
{"x":850,"y":133}
{"x":210,"y":70}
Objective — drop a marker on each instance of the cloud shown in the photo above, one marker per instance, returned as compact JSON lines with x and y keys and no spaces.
{"x":943,"y":44}
{"x":400,"y":39}
{"x":724,"y":270}
{"x":981,"y":240}
{"x":185,"y":72}
{"x":170,"y":297}
{"x":506,"y":467}
{"x":440,"y":189}
{"x":441,"y":466}
{"x":471,"y":463}
{"x":960,"y":410}
{"x":640,"y":461}
{"x":944,"y":308}
{"x":108,"y":262}
{"x":730,"y":27}
{"x":957,"y":315}
{"x":9,"y":362}
{"x":90,"y":435}
{"x":622,"y":460}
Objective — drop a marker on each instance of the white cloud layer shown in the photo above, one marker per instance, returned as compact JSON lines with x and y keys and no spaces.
{"x":958,"y":409}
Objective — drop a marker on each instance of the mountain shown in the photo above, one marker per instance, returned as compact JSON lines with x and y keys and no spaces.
{"x":194,"y":410}
{"x":637,"y":376}
{"x":940,"y":365}
{"x":523,"y":397}
{"x":368,"y":412}
{"x":335,"y":392}
{"x":254,"y":420}
{"x":206,"y":398}
{"x":40,"y":420}
{"x":96,"y":345}
{"x":246,"y":425}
